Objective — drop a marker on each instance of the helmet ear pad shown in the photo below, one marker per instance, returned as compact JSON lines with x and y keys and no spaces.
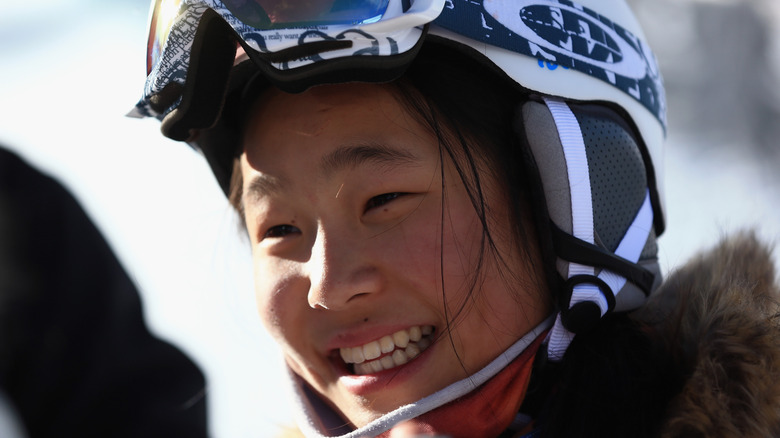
{"x":618,"y":187}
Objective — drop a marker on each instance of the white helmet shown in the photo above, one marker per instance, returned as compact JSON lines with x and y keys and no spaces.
{"x":599,"y":119}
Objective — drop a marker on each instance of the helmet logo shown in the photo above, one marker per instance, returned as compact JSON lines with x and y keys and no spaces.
{"x":570,"y":31}
{"x":566,"y":34}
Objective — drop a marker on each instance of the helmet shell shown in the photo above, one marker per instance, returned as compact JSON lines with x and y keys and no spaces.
{"x":541,"y":73}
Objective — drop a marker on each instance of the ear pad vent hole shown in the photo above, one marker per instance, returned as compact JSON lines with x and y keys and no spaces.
{"x":617,"y":177}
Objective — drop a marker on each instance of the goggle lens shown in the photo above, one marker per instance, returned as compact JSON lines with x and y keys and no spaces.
{"x":378,"y":15}
{"x":274,"y":14}
{"x":160,"y":22}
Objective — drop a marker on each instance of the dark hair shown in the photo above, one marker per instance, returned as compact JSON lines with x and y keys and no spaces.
{"x":470,"y":108}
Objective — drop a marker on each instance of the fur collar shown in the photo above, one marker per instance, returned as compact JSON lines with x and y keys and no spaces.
{"x":717,"y":320}
{"x":701,"y":358}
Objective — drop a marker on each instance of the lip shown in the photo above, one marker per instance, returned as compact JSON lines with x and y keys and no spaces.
{"x":356,"y":338}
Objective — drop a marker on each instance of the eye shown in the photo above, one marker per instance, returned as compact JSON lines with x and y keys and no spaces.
{"x":380,"y":200}
{"x":279,"y":231}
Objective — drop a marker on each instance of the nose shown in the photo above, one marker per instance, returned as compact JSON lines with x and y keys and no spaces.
{"x":341,"y":271}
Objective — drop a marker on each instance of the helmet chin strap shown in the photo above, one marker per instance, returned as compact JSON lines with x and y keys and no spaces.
{"x":592,"y":295}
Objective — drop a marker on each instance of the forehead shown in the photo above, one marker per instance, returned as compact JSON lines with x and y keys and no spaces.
{"x":281,"y":124}
{"x":329,"y":128}
{"x":312,"y":112}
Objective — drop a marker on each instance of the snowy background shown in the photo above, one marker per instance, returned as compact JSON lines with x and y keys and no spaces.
{"x":71,"y":69}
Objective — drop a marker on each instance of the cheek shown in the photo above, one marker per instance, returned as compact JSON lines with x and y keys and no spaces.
{"x":276,"y":301}
{"x":412,"y":249}
{"x":461,"y":244}
{"x":282,"y":306}
{"x":430,"y":248}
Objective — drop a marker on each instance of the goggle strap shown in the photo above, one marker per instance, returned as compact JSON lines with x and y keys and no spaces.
{"x":304,"y":50}
{"x":212,"y":56}
{"x":166,"y":97}
{"x":375,"y":69}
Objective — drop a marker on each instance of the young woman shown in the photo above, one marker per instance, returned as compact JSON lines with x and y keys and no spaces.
{"x":453,"y":210}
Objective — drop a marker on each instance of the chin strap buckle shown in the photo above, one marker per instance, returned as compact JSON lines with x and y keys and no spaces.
{"x":583,"y":315}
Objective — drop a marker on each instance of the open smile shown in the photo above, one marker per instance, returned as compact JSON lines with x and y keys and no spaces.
{"x":388,"y":352}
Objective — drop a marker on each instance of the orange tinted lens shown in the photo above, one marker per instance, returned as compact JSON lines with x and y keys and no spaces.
{"x":274,"y":14}
{"x":160,"y":22}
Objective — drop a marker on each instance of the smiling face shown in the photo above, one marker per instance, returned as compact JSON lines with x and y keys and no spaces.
{"x":367,"y":251}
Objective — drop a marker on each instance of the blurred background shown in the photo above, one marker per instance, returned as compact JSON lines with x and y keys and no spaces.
{"x":71,"y":69}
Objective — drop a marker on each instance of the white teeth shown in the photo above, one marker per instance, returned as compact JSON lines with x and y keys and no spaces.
{"x":387,"y":362}
{"x":387,"y":344}
{"x":346,"y":355}
{"x":415,"y":334}
{"x":401,"y":338}
{"x":362,"y":368}
{"x":404,"y":345}
{"x":372,"y":350}
{"x":400,"y":357}
{"x":412,"y":350}
{"x":357,"y":355}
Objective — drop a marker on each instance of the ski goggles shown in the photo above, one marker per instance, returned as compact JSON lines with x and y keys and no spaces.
{"x":286,"y":34}
{"x":192,"y":48}
{"x":265,"y":15}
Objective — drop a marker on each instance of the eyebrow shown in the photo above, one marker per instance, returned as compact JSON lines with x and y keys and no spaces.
{"x":353,"y":156}
{"x":342,"y":158}
{"x":261,"y":186}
